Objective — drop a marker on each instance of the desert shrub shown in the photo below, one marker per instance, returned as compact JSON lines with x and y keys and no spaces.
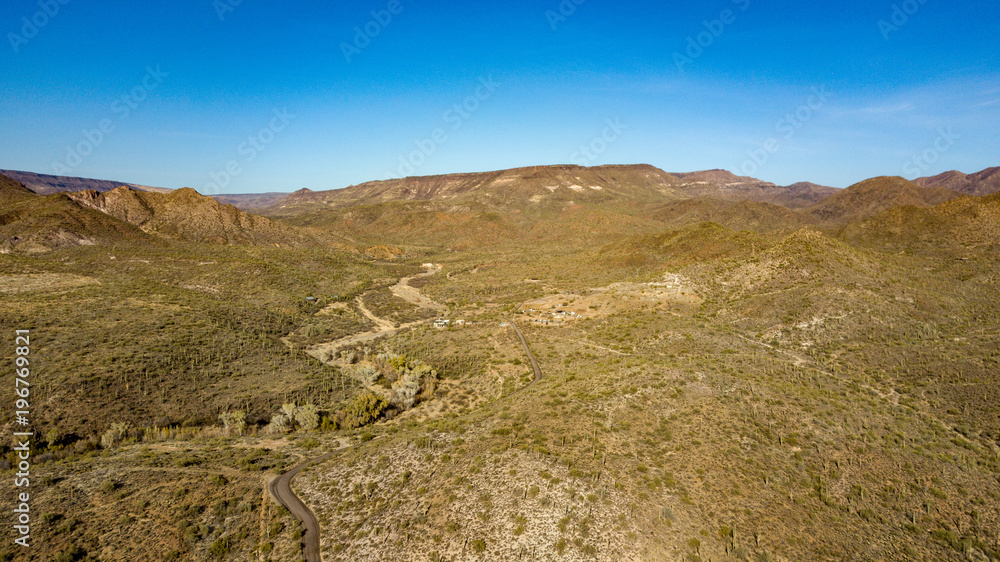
{"x":234,"y":422}
{"x":114,"y":436}
{"x":280,"y":423}
{"x":71,"y":555}
{"x":219,"y":548}
{"x":363,"y":409}
{"x":307,"y":417}
{"x":367,"y":374}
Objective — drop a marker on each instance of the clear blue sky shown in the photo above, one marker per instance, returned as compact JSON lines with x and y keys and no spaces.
{"x":928,"y":88}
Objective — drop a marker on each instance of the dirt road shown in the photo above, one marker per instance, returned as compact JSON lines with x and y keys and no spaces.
{"x":531,"y":356}
{"x":281,"y":490}
{"x":384,"y":327}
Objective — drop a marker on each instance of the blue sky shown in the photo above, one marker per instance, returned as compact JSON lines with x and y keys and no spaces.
{"x":260,"y":97}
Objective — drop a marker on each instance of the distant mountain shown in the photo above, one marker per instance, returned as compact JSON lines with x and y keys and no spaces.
{"x":250,"y":201}
{"x":803,"y":194}
{"x":555,"y":186}
{"x":185,"y":214}
{"x":985,"y":182}
{"x":44,"y":184}
{"x":508,"y":189}
{"x":721,"y":184}
{"x":870,"y":197}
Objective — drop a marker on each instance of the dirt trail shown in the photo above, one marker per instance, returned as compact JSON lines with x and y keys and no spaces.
{"x":381,"y":324}
{"x":413,"y":295}
{"x":384,"y":327}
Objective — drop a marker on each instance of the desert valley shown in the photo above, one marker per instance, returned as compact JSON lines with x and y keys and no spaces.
{"x":542,"y":363}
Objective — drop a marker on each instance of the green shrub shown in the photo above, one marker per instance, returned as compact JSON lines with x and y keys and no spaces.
{"x":478,"y":546}
{"x":219,"y":548}
{"x":365,"y":408}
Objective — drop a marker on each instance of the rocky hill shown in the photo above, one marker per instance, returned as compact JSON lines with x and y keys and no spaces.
{"x":875,"y":195}
{"x":32,"y":223}
{"x":185,"y":214}
{"x":720,"y":184}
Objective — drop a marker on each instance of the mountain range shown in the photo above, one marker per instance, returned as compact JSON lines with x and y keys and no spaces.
{"x":467,"y":209}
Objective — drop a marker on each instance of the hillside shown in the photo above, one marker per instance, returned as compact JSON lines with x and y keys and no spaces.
{"x":736,"y":215}
{"x":45,"y":184}
{"x":875,"y":195}
{"x":961,"y":228}
{"x":32,"y":223}
{"x":985,"y":182}
{"x":184,"y":214}
{"x":12,"y":189}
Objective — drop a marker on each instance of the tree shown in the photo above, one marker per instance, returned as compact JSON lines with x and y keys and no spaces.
{"x":234,"y":422}
{"x":405,"y":390}
{"x":307,"y":417}
{"x":417,"y":377}
{"x":279,"y":424}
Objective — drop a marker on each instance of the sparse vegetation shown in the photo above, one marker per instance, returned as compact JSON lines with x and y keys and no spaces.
{"x":836,"y":382}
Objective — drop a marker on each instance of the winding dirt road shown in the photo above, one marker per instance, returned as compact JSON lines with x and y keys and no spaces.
{"x":281,"y":487}
{"x":281,"y":490}
{"x":531,"y":356}
{"x":383,"y":327}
